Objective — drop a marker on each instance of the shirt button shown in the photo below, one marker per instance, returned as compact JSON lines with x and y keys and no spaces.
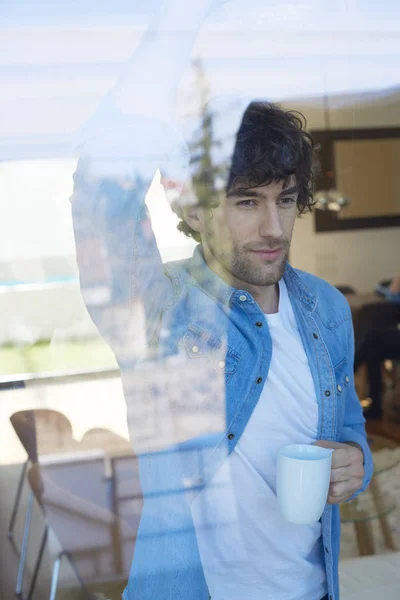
{"x":243,"y":298}
{"x":339,"y":388}
{"x":259,"y":380}
{"x":327,"y":393}
{"x":315,"y":336}
{"x":221,"y":364}
{"x":326,"y":550}
{"x":231,"y":436}
{"x":195,"y":349}
{"x":259,"y":324}
{"x":346,"y":379}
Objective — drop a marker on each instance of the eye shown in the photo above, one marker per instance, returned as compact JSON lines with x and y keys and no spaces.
{"x":287,"y":201}
{"x":246,"y":203}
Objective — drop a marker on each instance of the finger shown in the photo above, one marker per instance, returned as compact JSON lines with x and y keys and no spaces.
{"x":334,"y":500}
{"x":337,"y":490}
{"x":341,"y":491}
{"x":339,"y":499}
{"x":341,"y":458}
{"x":341,"y":474}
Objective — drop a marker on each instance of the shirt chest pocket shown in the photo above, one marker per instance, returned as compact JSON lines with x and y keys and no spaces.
{"x":205,"y":348}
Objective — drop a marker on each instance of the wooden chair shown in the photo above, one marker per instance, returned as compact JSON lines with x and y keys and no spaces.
{"x":104,"y":439}
{"x":79,"y":499}
{"x":41,"y":432}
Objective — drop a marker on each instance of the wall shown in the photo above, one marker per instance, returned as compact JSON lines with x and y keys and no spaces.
{"x":360,"y":257}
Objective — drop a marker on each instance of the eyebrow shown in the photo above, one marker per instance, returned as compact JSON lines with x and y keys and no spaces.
{"x":255,"y":194}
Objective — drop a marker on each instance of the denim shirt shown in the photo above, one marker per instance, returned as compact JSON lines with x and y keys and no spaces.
{"x":191,"y":393}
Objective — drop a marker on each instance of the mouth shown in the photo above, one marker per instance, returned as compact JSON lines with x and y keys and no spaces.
{"x":269,"y":254}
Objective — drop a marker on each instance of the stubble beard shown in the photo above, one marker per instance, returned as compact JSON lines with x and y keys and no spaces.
{"x":241,"y":264}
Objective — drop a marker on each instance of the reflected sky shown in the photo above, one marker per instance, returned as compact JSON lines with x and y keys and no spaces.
{"x":311,"y":14}
{"x":57,"y":61}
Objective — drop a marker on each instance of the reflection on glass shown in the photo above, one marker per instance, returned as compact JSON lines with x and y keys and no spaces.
{"x":158,"y":348}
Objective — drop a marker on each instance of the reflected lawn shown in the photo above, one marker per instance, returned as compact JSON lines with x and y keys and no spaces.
{"x":47,"y":356}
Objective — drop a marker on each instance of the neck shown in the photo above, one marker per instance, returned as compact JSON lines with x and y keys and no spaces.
{"x":266,"y":296}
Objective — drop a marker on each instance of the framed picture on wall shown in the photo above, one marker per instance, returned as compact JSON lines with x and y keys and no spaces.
{"x":364,"y":165}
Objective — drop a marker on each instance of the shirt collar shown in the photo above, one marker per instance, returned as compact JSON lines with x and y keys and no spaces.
{"x":298,"y":288}
{"x":210,"y":281}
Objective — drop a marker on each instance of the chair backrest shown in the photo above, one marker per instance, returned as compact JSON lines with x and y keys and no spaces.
{"x":43,"y":431}
{"x":346,"y":289}
{"x":377,"y":315}
{"x":107,"y":440}
{"x":23,"y":423}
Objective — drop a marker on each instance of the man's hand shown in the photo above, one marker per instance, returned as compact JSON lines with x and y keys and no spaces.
{"x":347,"y":470}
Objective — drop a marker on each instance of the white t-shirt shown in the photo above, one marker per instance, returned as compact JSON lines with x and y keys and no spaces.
{"x":248,"y":550}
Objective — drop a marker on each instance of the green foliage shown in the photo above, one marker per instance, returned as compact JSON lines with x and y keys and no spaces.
{"x":205,"y":173}
{"x":60,"y":356}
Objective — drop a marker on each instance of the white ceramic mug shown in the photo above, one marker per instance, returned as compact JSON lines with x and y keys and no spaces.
{"x":302,"y":483}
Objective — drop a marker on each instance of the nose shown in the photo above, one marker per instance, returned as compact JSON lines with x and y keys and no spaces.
{"x":270,"y":221}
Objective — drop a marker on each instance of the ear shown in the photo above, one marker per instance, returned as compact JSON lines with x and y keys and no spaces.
{"x":194,"y":217}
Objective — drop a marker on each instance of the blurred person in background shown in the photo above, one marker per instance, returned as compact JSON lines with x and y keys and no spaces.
{"x":378,"y":345}
{"x":225,"y":357}
{"x":390,"y":289}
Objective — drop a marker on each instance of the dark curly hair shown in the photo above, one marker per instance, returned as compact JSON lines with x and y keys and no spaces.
{"x":271,"y":145}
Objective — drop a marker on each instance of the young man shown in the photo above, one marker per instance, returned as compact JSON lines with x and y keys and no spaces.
{"x":225,"y":357}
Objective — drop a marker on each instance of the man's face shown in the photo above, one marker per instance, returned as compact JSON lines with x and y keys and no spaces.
{"x":246,"y":239}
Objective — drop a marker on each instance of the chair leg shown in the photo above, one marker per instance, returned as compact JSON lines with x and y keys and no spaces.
{"x":365,"y":540}
{"x":55,"y":576}
{"x":38,"y":563}
{"x":78,"y":577}
{"x":24,"y":546}
{"x":383,"y":521}
{"x":10,"y":531}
